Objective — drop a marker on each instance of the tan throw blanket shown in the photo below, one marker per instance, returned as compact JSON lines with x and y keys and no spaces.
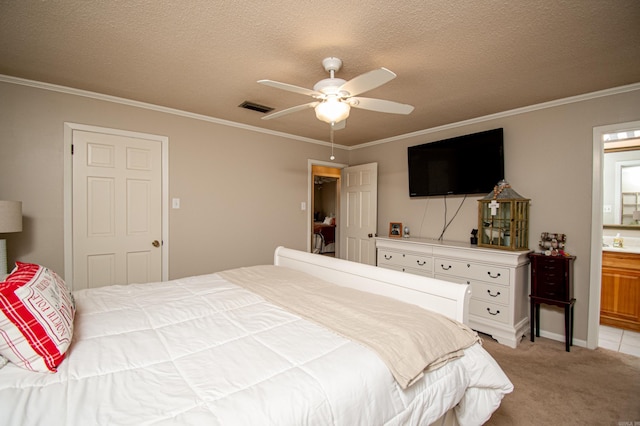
{"x":409,"y":339}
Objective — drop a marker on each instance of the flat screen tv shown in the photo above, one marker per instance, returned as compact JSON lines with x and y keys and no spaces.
{"x":469,"y":164}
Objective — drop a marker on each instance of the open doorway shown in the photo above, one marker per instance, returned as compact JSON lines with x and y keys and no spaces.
{"x":325,"y":208}
{"x":608,"y":216}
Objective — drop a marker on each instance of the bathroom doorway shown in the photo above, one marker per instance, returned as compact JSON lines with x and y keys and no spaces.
{"x":608,"y":216}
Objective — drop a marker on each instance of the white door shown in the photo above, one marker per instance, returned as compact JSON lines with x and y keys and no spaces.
{"x":117,"y":210}
{"x":359,"y":213}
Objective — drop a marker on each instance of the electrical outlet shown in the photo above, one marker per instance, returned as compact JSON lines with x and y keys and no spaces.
{"x":606,"y":208}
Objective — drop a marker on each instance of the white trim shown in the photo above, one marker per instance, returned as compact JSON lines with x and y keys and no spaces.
{"x":595,"y":273}
{"x":68,"y":191}
{"x":509,"y":113}
{"x":561,"y":338}
{"x":158,"y":108}
{"x":503,"y":114}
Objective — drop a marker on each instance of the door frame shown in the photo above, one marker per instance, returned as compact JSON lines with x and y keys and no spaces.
{"x":310,"y":164}
{"x":68,"y":191}
{"x":595,"y":273}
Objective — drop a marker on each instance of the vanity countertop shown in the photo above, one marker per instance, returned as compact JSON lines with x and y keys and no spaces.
{"x":629,"y":245}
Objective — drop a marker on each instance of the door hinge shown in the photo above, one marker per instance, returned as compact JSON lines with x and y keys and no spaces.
{"x":71,"y":149}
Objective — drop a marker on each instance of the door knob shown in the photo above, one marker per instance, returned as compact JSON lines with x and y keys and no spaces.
{"x":155,"y":243}
{"x":370,"y":235}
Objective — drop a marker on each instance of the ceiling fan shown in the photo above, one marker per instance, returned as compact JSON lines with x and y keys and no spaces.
{"x":334,"y":97}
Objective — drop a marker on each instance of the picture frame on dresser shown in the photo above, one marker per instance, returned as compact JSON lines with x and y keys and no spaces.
{"x":395,"y":229}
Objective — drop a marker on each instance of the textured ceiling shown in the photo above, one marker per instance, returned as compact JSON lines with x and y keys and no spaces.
{"x":455,"y":59}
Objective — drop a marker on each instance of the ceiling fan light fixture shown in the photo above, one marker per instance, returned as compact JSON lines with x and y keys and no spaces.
{"x":334,"y":97}
{"x":332,"y":110}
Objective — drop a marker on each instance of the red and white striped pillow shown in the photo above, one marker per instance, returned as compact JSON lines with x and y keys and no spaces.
{"x":36,"y":318}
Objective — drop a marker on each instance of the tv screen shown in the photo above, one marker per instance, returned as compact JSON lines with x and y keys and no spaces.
{"x":469,"y":164}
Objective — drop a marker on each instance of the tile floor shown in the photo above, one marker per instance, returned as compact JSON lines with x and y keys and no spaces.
{"x":619,"y":340}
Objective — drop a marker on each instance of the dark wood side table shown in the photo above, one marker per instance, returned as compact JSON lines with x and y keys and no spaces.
{"x":552,"y":284}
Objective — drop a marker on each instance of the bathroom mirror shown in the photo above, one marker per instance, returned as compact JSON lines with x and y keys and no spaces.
{"x":621,"y":183}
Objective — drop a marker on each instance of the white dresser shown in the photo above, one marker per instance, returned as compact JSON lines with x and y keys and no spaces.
{"x":498,"y":279}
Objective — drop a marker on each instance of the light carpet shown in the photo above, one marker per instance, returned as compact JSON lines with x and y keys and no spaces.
{"x":555,"y":387}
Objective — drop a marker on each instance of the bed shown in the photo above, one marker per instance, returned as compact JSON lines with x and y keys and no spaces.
{"x":227,"y":349}
{"x":324,"y":234}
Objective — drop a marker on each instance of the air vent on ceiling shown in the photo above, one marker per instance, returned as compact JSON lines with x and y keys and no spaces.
{"x":255,"y":107}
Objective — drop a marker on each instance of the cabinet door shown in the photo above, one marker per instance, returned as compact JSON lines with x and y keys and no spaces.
{"x":620,"y":298}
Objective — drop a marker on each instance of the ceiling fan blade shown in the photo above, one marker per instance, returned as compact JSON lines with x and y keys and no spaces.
{"x":290,"y":87}
{"x":380,"y":105}
{"x":289,"y":110}
{"x":367,"y":81}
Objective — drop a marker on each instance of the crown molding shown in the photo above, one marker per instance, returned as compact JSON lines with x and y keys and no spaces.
{"x":158,"y":108}
{"x":509,"y":113}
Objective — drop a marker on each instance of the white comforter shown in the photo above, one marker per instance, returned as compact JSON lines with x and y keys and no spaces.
{"x":203,"y":351}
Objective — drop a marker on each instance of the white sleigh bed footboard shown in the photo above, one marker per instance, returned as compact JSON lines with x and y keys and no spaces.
{"x":446,"y":298}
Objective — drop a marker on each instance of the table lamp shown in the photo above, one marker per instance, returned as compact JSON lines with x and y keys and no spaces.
{"x":10,"y":221}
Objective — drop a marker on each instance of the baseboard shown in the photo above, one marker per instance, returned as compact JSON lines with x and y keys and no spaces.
{"x":560,"y":338}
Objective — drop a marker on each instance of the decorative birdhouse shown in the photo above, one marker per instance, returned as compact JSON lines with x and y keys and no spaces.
{"x":503,"y":219}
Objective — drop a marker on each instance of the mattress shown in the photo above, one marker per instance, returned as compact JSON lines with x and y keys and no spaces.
{"x":202,"y":350}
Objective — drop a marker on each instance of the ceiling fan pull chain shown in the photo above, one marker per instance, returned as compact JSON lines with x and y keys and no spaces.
{"x":331,"y":137}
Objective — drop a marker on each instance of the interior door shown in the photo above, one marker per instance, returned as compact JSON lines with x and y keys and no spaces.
{"x":117,"y":210}
{"x":359,"y":213}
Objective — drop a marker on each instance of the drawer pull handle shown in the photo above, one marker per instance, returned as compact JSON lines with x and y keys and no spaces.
{"x":493,"y":276}
{"x":493,"y":295}
{"x":388,"y":257}
{"x":491,"y":313}
{"x":421,"y":263}
{"x":443,"y":267}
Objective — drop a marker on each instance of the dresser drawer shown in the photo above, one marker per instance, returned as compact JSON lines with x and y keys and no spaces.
{"x":413,"y":261}
{"x":553,"y":272}
{"x":489,"y":273}
{"x":551,"y":290}
{"x":394,"y":267}
{"x":408,"y":270}
{"x":490,"y":293}
{"x":490,"y":311}
{"x":482,"y":290}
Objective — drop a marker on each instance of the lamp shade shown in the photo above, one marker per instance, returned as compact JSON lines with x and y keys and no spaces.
{"x":332,"y":110}
{"x":10,"y":216}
